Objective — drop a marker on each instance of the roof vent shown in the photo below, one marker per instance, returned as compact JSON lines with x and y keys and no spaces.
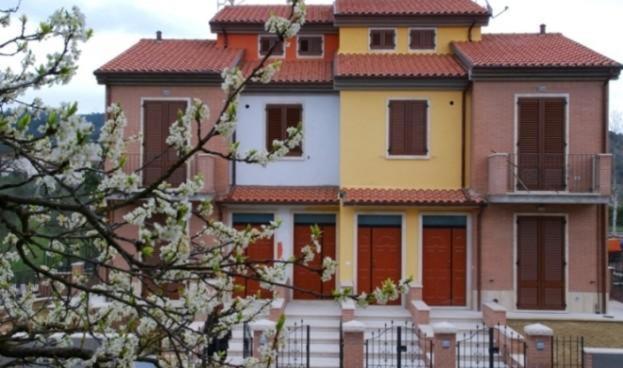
{"x":159,"y":35}
{"x":543,"y":29}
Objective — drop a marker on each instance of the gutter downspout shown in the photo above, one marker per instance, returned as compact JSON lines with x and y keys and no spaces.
{"x":469,"y":32}
{"x":464,"y":134}
{"x":479,"y":256}
{"x":603,"y":228}
{"x":233,"y":163}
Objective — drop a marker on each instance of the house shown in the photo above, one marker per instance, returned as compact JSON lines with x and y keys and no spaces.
{"x":475,"y":163}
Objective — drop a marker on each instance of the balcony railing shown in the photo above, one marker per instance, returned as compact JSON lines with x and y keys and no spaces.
{"x":549,"y":173}
{"x":200,"y":164}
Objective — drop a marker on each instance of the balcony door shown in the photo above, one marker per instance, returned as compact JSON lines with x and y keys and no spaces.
{"x":157,"y":157}
{"x":541,"y":144}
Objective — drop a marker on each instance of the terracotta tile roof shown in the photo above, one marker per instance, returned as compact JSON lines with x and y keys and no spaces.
{"x":172,"y":56}
{"x":398,"y":65}
{"x":372,"y":196}
{"x":282,"y":194}
{"x":408,"y":7}
{"x":299,"y":71}
{"x":530,"y":50}
{"x":260,"y":13}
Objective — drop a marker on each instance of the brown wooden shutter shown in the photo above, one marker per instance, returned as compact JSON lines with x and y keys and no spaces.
{"x":553,"y":145}
{"x":293,"y":119}
{"x":382,"y":39}
{"x":153,"y":161}
{"x":310,"y":45}
{"x":389,"y":39}
{"x":422,"y":39}
{"x":527,"y":263}
{"x":375,"y":39}
{"x":267,"y":42}
{"x":175,"y":108}
{"x":408,"y":128}
{"x":553,"y":263}
{"x":528,"y":159}
{"x":273,"y":125}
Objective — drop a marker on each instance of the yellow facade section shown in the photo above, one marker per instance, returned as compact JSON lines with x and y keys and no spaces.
{"x":348,"y":242}
{"x":355,"y":40}
{"x":363,"y":142}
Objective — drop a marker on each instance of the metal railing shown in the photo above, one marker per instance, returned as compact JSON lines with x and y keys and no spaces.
{"x":616,"y":282}
{"x":574,"y":173}
{"x":490,"y":347}
{"x":295,"y":351}
{"x":247,"y":341}
{"x":398,"y":346}
{"x":568,"y":352}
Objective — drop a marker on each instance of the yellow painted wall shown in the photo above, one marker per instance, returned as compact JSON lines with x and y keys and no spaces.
{"x":363,"y":142}
{"x":355,"y":40}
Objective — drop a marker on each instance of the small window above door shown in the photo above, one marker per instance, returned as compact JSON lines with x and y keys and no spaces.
{"x":382,"y":39}
{"x":310,"y":46}
{"x":267,"y":42}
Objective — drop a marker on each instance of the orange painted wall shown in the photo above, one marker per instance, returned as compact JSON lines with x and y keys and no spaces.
{"x":250,"y":43}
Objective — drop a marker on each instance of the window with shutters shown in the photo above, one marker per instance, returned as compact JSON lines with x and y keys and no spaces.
{"x":266,"y":44}
{"x":408,"y":128}
{"x":422,"y":39}
{"x":310,"y":46}
{"x":382,"y":39}
{"x":278,"y":119}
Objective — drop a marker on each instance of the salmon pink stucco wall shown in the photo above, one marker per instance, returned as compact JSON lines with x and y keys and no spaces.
{"x":250,"y":43}
{"x":493,"y":128}
{"x":130,"y":98}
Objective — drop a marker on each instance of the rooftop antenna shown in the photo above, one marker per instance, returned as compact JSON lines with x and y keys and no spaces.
{"x":490,"y":9}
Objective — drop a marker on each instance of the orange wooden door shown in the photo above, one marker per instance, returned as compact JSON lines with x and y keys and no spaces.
{"x":258,"y":254}
{"x":307,"y":281}
{"x":437,"y":270}
{"x":378,"y":257}
{"x":459,"y":267}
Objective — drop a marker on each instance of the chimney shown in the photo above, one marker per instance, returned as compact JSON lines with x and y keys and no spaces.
{"x":543,"y":29}
{"x":159,"y":35}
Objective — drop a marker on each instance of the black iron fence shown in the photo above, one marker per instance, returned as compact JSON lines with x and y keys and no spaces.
{"x":247,"y":341}
{"x":401,"y":345}
{"x":575,"y":173}
{"x":295,"y":351}
{"x":568,"y":352}
{"x":490,"y":347}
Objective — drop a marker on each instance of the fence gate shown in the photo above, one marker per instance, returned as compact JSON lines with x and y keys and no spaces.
{"x":247,"y":341}
{"x":295,"y":351}
{"x":568,"y":352}
{"x":490,"y":347}
{"x":398,"y":346}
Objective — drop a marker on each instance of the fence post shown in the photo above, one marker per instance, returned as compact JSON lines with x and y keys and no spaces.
{"x":444,"y":345}
{"x":539,"y":339}
{"x":259,"y":340}
{"x":353,"y":344}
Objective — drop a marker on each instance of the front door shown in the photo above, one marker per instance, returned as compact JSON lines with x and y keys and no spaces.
{"x":307,"y":280}
{"x":541,"y":144}
{"x":257,"y":255}
{"x":541,"y":263}
{"x":379,"y":243}
{"x":444,"y":261}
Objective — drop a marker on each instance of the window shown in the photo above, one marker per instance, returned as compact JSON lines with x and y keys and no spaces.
{"x":382,"y":39}
{"x":310,"y":45}
{"x":408,"y":128}
{"x":267,"y":42}
{"x":422,"y":39}
{"x":278,"y":119}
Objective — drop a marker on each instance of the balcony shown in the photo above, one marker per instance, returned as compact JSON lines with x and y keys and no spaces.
{"x":549,"y":178}
{"x":200,"y":164}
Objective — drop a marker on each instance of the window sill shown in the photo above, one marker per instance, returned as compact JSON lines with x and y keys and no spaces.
{"x":408,"y":157}
{"x":293,"y":158}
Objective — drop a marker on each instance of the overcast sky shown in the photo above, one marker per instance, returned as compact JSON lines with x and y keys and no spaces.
{"x":120,"y":23}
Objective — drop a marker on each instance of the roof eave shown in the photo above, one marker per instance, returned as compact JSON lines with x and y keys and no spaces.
{"x":158,"y":78}
{"x":543,"y":73}
{"x":406,"y":82}
{"x":411,"y":20}
{"x":258,"y":27}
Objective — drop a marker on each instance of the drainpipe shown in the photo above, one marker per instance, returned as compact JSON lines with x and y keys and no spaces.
{"x":469,"y":32}
{"x":464,"y":133}
{"x":603,"y":209}
{"x":233,"y":163}
{"x":479,"y":256}
{"x":226,"y":39}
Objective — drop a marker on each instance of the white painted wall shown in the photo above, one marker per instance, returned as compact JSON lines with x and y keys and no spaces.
{"x":319,"y":164}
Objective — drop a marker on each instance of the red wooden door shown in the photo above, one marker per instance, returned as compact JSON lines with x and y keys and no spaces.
{"x":307,"y":282}
{"x":157,"y":156}
{"x":540,"y":263}
{"x":258,"y":253}
{"x":437,"y":280}
{"x":445,"y":266}
{"x":378,"y":257}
